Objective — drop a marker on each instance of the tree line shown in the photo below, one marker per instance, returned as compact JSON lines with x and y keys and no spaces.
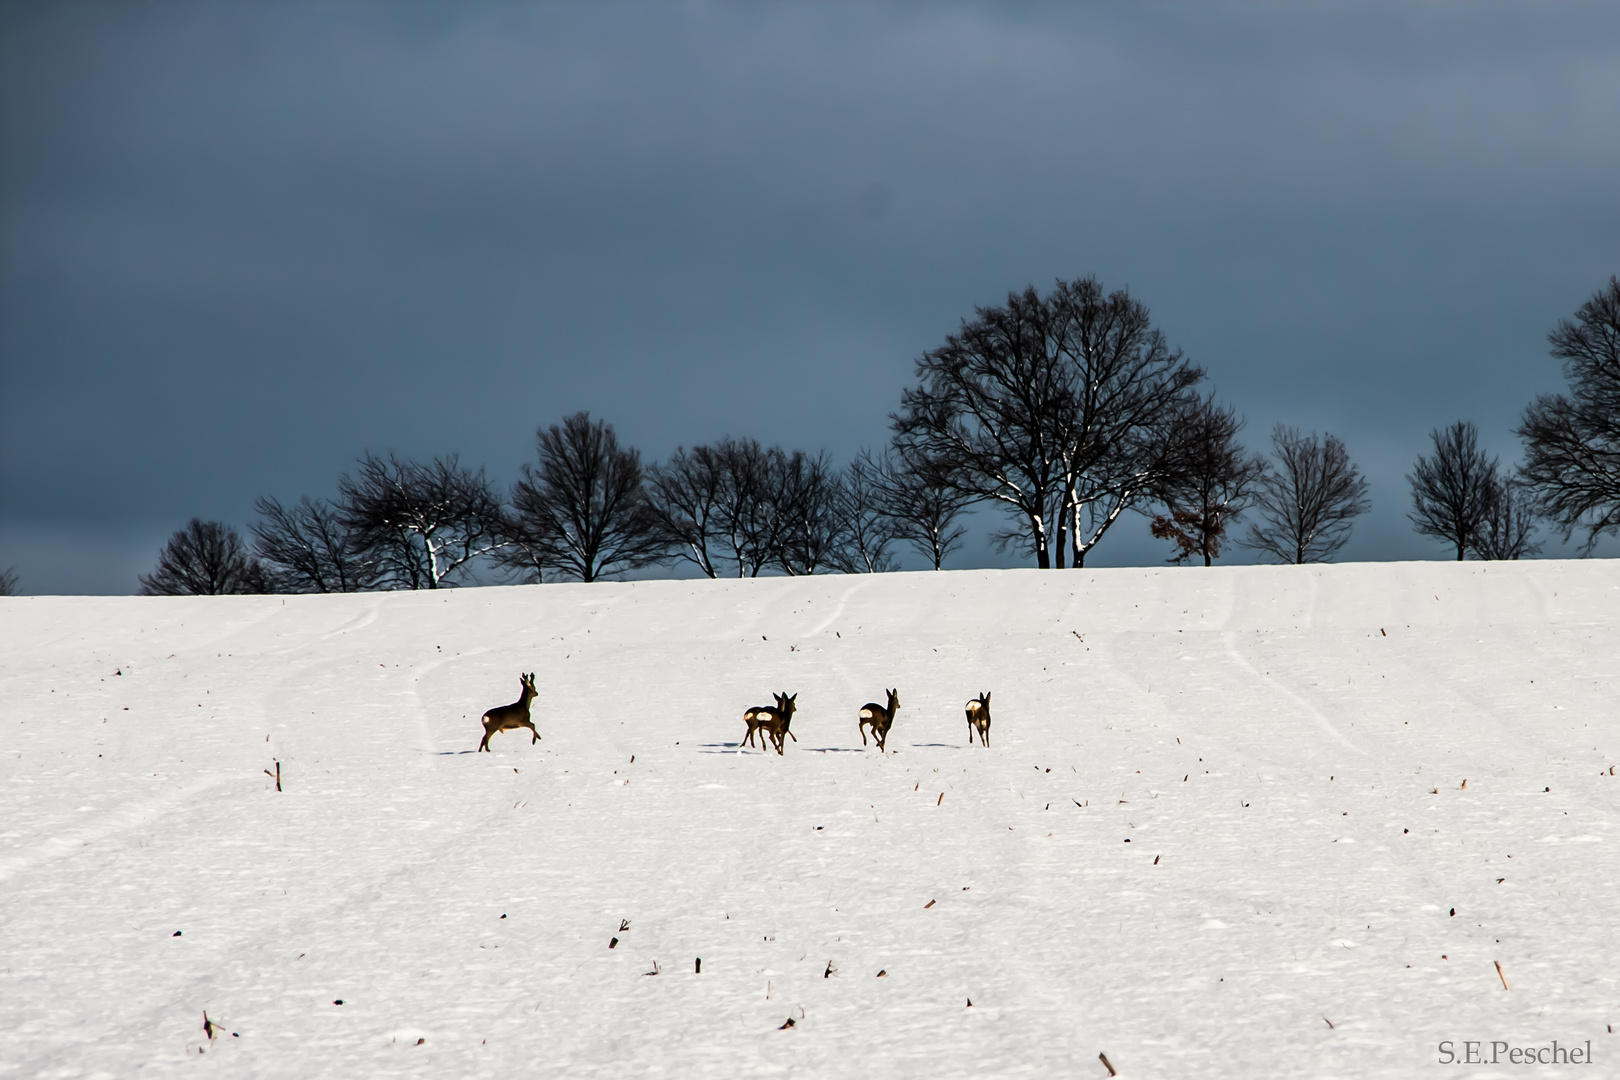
{"x":1570,"y":475}
{"x":1062,"y":411}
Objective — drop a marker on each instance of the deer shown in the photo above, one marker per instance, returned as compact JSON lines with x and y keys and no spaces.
{"x":775,"y":721}
{"x":879,"y":717}
{"x":760,"y":717}
{"x":513,"y":716}
{"x":978,"y":718}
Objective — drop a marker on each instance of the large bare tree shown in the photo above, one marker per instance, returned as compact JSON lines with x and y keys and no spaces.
{"x":423,"y":525}
{"x":583,"y":508}
{"x":206,"y":558}
{"x":307,"y":547}
{"x":1054,"y":408}
{"x":1205,"y":479}
{"x":1130,"y":392}
{"x":1572,"y":442}
{"x":8,"y":581}
{"x":985,"y":404}
{"x":1451,"y":488}
{"x":1307,"y":498}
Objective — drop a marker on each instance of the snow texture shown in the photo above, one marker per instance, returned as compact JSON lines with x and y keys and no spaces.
{"x":1221,"y":828}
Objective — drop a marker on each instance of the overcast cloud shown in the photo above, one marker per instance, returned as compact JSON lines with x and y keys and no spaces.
{"x":239,"y":245}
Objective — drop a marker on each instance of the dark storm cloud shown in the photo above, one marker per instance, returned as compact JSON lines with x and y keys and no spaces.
{"x":240,"y":245}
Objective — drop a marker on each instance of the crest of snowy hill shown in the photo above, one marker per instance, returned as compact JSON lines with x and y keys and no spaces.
{"x":1257,"y":821}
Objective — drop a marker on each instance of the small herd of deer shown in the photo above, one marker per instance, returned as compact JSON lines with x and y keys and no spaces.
{"x":766,"y":721}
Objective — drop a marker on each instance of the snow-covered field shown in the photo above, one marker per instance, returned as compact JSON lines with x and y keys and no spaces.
{"x":1221,"y":828}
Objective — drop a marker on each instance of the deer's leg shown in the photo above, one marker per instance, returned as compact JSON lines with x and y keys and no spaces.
{"x":536,"y":732}
{"x":485,"y":744}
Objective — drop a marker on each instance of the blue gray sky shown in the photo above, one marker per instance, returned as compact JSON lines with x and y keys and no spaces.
{"x":242,"y":244}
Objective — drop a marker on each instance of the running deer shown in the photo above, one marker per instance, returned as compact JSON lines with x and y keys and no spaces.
{"x":978,"y":718}
{"x":762,"y":719}
{"x":775,"y":722}
{"x":513,"y":716}
{"x":879,"y":717}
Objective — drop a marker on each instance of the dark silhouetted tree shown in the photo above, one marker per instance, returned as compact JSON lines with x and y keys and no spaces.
{"x":924,"y":503}
{"x":1204,"y":482}
{"x":686,"y":495}
{"x":1129,"y":392}
{"x":583,"y":507}
{"x":1508,"y":525}
{"x":806,"y":503}
{"x":1053,"y":408}
{"x":868,"y":528}
{"x":749,"y":529}
{"x":1307,"y":498}
{"x":8,"y":581}
{"x":206,"y":558}
{"x":1572,"y":443}
{"x":742,"y":526}
{"x":1451,"y":489}
{"x":422,"y":525}
{"x":307,"y":547}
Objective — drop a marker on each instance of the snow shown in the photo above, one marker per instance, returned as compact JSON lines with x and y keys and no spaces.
{"x":1221,"y":810}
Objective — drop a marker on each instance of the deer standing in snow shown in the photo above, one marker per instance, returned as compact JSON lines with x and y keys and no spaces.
{"x":879,"y":717}
{"x":978,"y":718}
{"x":513,"y":716}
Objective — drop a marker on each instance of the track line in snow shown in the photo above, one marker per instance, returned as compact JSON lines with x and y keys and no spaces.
{"x":115,"y":823}
{"x":1227,"y":638}
{"x":837,"y":611}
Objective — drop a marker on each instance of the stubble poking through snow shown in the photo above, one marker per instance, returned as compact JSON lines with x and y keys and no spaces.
{"x":1263,"y":919}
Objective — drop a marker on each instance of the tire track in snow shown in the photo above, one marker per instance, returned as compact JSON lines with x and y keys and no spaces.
{"x":837,"y":611}
{"x":117,"y":822}
{"x":1227,"y":638}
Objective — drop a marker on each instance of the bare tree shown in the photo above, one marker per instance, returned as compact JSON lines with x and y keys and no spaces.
{"x":1055,"y":409}
{"x":985,"y":405}
{"x":924,"y":503}
{"x":583,"y":508}
{"x":1205,"y":480}
{"x":1572,"y":444}
{"x":1451,"y":489}
{"x":1129,"y":393}
{"x":8,"y":581}
{"x":421,"y":525}
{"x":868,"y":529}
{"x":685,"y":496}
{"x":1508,"y":524}
{"x":806,"y":499}
{"x":307,"y":547}
{"x":747,"y":529}
{"x":1307,"y":498}
{"x":206,"y":558}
